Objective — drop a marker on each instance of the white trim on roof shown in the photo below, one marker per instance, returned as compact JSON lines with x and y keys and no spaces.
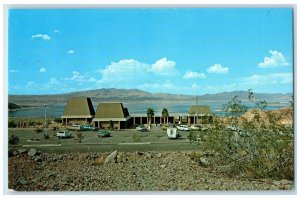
{"x":77,"y":116}
{"x":112,"y":119}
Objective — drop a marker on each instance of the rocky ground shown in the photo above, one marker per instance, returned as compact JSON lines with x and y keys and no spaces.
{"x":139,"y":171}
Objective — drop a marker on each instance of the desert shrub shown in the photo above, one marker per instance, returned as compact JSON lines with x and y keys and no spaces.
{"x":192,"y":137}
{"x":13,"y":140}
{"x":80,"y":136}
{"x":15,"y":122}
{"x":57,"y":120}
{"x":12,"y":124}
{"x":31,"y":123}
{"x":262,"y":149}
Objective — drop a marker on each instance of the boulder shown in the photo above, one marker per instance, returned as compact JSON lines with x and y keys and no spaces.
{"x":32,"y":152}
{"x":21,"y":151}
{"x":22,"y":181}
{"x":111,"y":158}
{"x":163,"y":166}
{"x":203,"y":162}
{"x":148,"y":155}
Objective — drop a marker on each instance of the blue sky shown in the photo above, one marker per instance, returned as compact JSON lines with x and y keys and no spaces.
{"x":184,"y":51}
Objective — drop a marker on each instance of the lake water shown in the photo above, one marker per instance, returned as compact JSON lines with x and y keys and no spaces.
{"x":133,"y":108}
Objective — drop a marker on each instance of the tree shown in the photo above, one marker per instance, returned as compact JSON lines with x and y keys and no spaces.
{"x":150,"y":114}
{"x":111,"y":125}
{"x":259,"y":104}
{"x":165,"y":114}
{"x":234,"y":109}
{"x":80,"y":136}
{"x":262,"y":148}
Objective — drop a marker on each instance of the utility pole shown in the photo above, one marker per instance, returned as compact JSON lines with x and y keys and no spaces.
{"x":196,"y":110}
{"x":46,"y":133}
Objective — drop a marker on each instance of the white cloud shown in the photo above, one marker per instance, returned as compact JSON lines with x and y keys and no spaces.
{"x":76,"y":76}
{"x":13,"y":71}
{"x":125,"y":71}
{"x":71,"y":51}
{"x":191,"y":75}
{"x":56,"y":31}
{"x":217,"y":68}
{"x":130,"y":71}
{"x":42,"y":70}
{"x":80,"y":78}
{"x":273,"y":78}
{"x":42,"y":36}
{"x":276,"y":59}
{"x":163,"y":66}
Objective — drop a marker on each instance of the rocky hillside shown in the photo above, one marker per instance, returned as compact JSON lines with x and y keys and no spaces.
{"x":140,"y":171}
{"x":134,"y":95}
{"x":283,"y":115}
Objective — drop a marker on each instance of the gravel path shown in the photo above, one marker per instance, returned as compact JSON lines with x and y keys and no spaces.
{"x":139,"y":171}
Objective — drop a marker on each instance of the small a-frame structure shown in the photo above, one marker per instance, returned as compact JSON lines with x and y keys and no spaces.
{"x":79,"y":110}
{"x":108,"y":114}
{"x":200,"y":115}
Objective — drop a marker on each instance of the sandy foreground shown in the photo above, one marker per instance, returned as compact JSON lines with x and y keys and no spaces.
{"x":136,"y":171}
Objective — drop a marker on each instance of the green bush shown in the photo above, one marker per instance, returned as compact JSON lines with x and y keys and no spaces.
{"x":192,"y":137}
{"x":12,"y":124}
{"x":262,"y":149}
{"x":80,"y":136}
{"x":13,"y":140}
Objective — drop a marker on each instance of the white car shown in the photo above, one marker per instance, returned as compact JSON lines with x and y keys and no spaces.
{"x":183,"y":128}
{"x":196,"y":127}
{"x":141,"y":128}
{"x":63,"y":134}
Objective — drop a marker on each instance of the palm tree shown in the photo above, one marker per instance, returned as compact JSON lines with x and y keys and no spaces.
{"x":150,"y":114}
{"x":164,"y":114}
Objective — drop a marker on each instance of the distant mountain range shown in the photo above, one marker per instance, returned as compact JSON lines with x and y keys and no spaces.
{"x":135,"y":95}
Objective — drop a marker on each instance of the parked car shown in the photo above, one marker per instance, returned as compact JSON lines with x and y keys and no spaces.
{"x":103,"y":133}
{"x":183,"y":128}
{"x":75,"y":127}
{"x":63,"y":134}
{"x":141,"y":127}
{"x":196,"y":127}
{"x":199,"y":127}
{"x":89,"y":128}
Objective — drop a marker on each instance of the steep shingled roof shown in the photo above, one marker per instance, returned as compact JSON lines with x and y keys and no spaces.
{"x":79,"y":106}
{"x":111,"y":110}
{"x":205,"y":110}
